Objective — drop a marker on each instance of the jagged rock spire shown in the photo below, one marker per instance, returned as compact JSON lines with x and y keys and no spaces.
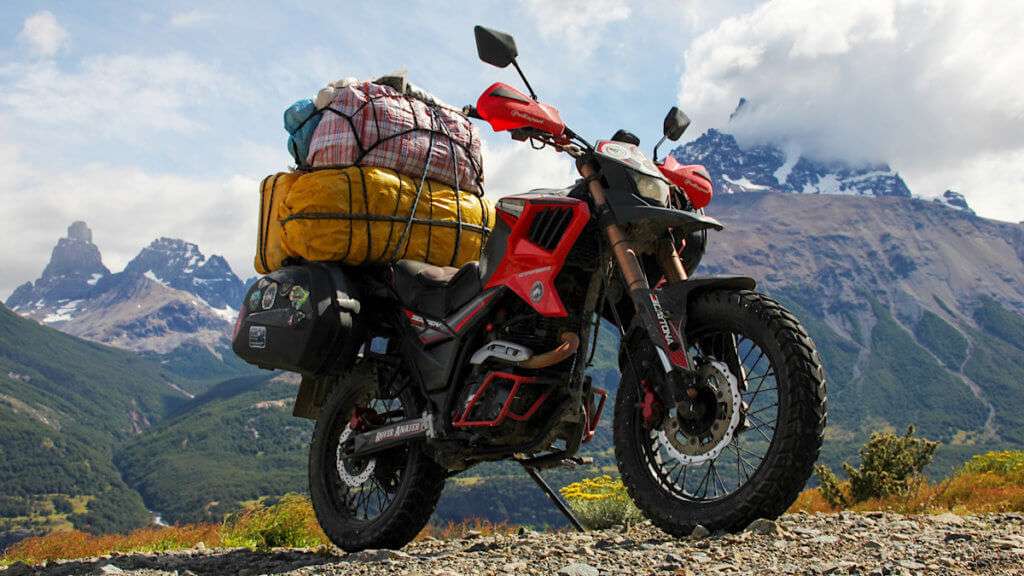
{"x":74,"y":269}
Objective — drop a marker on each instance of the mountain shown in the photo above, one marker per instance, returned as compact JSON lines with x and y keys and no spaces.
{"x":180,"y":265}
{"x":65,"y":404}
{"x":916,"y":308}
{"x":235,"y":442}
{"x":916,"y":305}
{"x":70,"y":277}
{"x":768,"y":168}
{"x":170,"y":295}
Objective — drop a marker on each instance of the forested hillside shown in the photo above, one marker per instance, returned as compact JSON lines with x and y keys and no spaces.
{"x":64,"y":404}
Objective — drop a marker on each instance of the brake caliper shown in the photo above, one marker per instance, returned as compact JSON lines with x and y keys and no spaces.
{"x":651,"y":408}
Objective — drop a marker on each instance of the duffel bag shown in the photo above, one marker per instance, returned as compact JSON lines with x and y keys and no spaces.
{"x":270,"y":250}
{"x":370,"y":124}
{"x":360,"y":216}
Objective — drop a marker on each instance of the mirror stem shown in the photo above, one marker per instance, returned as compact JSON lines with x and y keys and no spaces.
{"x":525,"y":81}
{"x":656,"y":148}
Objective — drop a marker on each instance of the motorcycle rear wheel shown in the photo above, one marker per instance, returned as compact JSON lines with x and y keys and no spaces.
{"x":361,"y":506}
{"x":790,"y":390}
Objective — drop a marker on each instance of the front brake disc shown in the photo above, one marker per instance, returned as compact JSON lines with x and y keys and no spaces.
{"x":694,"y":449}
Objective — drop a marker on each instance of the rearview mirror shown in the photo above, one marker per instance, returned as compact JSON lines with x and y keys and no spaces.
{"x":676,"y":122}
{"x":495,"y":48}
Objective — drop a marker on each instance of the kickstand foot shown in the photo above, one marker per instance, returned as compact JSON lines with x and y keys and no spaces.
{"x":555,"y":498}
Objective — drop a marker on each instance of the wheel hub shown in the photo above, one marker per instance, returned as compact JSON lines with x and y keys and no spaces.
{"x":703,"y":436}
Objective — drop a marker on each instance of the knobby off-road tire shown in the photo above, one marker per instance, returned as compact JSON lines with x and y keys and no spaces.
{"x":419,"y":484}
{"x":793,"y":449}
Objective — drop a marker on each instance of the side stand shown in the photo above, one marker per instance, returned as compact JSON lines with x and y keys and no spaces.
{"x":555,"y":498}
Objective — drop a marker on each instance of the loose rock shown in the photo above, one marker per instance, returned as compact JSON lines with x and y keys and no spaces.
{"x":810,"y":544}
{"x":578,"y":570}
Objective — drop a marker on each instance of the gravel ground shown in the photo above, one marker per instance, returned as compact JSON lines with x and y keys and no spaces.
{"x":872,"y":543}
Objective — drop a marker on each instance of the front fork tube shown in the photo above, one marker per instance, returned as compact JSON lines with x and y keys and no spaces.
{"x":669,"y":342}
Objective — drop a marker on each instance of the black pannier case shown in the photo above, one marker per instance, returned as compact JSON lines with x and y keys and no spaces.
{"x":300,"y":318}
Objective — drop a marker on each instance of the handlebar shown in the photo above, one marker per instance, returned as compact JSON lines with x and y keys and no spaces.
{"x":521,"y":134}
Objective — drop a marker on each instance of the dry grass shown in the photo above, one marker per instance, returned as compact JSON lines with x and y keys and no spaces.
{"x":75,"y":544}
{"x":288,"y":522}
{"x":965,"y":493}
{"x":453,"y":530}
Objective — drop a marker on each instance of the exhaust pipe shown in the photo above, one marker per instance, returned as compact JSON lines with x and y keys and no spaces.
{"x":570,"y":343}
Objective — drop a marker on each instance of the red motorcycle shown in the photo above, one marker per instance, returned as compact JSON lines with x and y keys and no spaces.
{"x":719,"y":414}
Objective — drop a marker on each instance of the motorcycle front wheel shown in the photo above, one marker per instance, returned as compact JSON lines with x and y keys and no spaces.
{"x":381,"y":501}
{"x":754,"y":451}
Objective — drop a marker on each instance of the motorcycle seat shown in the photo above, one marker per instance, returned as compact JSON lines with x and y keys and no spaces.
{"x":435,"y":291}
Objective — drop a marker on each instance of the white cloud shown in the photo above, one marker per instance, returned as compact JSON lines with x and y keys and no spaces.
{"x":44,"y":34}
{"x":121,"y":95}
{"x":191,"y":18}
{"x":576,"y":24}
{"x":928,"y":86}
{"x":127,"y":208}
{"x":515,"y":168}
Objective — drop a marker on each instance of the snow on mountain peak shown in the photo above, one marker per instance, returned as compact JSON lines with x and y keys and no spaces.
{"x":168,"y":294}
{"x":182,"y":265}
{"x":769,"y":167}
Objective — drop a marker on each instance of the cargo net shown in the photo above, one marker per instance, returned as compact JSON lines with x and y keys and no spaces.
{"x":372,"y":125}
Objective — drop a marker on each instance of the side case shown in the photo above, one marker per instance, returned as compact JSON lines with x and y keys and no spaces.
{"x":300,"y":318}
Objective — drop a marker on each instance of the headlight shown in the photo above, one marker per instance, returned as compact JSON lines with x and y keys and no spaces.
{"x":652,"y":188}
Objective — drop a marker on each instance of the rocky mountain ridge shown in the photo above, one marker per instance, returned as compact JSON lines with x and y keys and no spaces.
{"x":770,"y":168}
{"x":168,"y":295}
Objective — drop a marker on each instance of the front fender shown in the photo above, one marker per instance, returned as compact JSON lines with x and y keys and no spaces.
{"x":679,"y":220}
{"x":676,"y":296}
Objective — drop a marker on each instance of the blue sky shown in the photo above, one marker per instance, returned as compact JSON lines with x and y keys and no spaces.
{"x":149,"y":119}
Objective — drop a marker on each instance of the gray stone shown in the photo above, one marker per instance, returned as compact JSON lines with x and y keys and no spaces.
{"x":699,"y":533}
{"x":18,"y":569}
{"x":110,"y":569}
{"x":577,"y":569}
{"x":514,"y":567}
{"x":947,"y":518}
{"x":765,"y":527}
{"x":377,"y":556}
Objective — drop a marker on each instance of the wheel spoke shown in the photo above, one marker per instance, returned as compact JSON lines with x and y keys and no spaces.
{"x":759,"y":410}
{"x":760,"y":429}
{"x":718,"y":478}
{"x":703,"y":484}
{"x":759,"y":385}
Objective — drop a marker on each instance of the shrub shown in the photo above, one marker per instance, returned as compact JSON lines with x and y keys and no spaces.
{"x":601,"y":502}
{"x":890,"y":465}
{"x":1008,"y":464}
{"x":62,"y":505}
{"x":290,"y":523}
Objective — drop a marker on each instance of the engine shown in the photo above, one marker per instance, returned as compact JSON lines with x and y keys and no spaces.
{"x":516,"y":377}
